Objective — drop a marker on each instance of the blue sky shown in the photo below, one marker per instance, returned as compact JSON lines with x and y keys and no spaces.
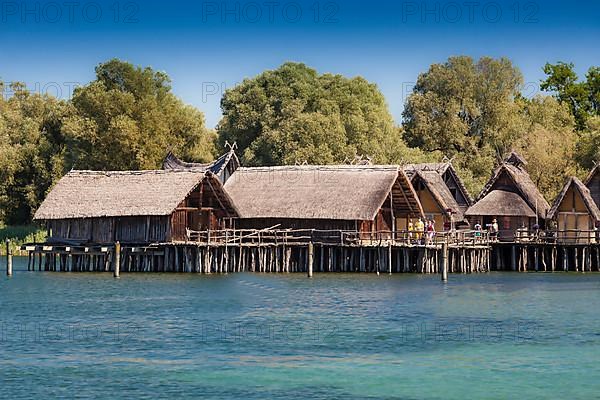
{"x":207,"y":46}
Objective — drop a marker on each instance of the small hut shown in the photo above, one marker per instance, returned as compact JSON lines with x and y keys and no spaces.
{"x":511,"y":197}
{"x":450,"y":178}
{"x":360,"y":198}
{"x":138,"y":207}
{"x":223,"y":167}
{"x":441,"y":192}
{"x":575,"y":212}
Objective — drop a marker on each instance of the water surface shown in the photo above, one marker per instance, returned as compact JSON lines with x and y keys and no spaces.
{"x":256,"y":336}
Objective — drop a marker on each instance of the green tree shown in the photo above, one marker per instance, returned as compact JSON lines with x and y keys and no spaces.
{"x":295,"y":115}
{"x":466,"y":110}
{"x":128,"y":117}
{"x":588,"y":146}
{"x":582,"y":97}
{"x":548,"y":143}
{"x":31,"y":150}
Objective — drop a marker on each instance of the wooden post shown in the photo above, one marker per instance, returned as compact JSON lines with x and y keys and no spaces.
{"x":444,"y":260}
{"x":9,"y":261}
{"x":117,"y":268}
{"x":389,"y":260}
{"x":309,"y":267}
{"x":513,"y":258}
{"x":498,"y":260}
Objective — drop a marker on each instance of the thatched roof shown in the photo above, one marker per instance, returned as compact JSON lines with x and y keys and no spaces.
{"x":347,"y":192}
{"x":171,"y":162}
{"x":88,"y":194}
{"x":501,"y":203}
{"x":437,"y":187}
{"x":441,"y":169}
{"x":585,"y":195}
{"x":515,"y":159}
{"x":519,"y":182}
{"x":592,"y":174}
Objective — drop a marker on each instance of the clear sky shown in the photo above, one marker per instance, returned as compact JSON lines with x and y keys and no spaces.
{"x":207,"y":46}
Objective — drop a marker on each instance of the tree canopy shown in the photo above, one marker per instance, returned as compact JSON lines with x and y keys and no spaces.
{"x":582,"y":97}
{"x":474,"y":111}
{"x":294,"y":115}
{"x":466,"y":110}
{"x":128,"y":117}
{"x":31,"y":150}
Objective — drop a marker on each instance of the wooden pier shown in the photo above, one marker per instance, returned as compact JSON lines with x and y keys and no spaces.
{"x":276,"y":251}
{"x":550,"y":251}
{"x":315,"y":251}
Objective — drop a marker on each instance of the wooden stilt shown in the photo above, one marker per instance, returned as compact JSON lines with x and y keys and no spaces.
{"x":9,"y":259}
{"x":117,"y":268}
{"x":309,"y":267}
{"x":513,"y":258}
{"x":444,"y":261}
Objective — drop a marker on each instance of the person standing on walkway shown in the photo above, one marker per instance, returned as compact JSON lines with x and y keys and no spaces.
{"x":494,"y":230}
{"x":420,"y":229}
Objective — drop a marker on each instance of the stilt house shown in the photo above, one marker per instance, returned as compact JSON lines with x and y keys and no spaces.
{"x":139,"y":207}
{"x":511,"y":197}
{"x":441,"y":192}
{"x":575,"y":212}
{"x":366,"y":199}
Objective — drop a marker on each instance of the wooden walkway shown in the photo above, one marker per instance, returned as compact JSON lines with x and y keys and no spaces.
{"x":276,"y":251}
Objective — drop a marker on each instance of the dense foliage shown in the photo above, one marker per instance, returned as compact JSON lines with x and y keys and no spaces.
{"x":294,"y":115}
{"x":474,"y":112}
{"x":128,"y":117}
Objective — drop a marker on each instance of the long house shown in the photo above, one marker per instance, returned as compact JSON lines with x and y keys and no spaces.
{"x":371,"y":200}
{"x":134,"y":206}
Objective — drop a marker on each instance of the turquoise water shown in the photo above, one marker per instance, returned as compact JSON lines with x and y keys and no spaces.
{"x":252,"y":336}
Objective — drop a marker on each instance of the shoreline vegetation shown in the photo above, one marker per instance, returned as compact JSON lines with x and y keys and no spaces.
{"x":20,"y":235}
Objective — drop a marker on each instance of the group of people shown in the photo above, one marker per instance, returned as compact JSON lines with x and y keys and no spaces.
{"x":421,"y":231}
{"x":492,"y":228}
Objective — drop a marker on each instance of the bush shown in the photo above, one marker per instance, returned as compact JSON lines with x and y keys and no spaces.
{"x":20,"y":235}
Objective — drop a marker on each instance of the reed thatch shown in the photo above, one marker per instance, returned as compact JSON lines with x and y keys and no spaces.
{"x":516,"y":159}
{"x":349,"y":192}
{"x":501,"y":203}
{"x":442,"y":169}
{"x":90,"y":194}
{"x":512,"y":177}
{"x":592,"y":174}
{"x":171,"y":162}
{"x":585,"y":193}
{"x":433,"y":181}
{"x":592,"y":182}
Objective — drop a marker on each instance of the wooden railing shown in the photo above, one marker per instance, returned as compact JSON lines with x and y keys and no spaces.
{"x":568,"y":236}
{"x":337,"y":237}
